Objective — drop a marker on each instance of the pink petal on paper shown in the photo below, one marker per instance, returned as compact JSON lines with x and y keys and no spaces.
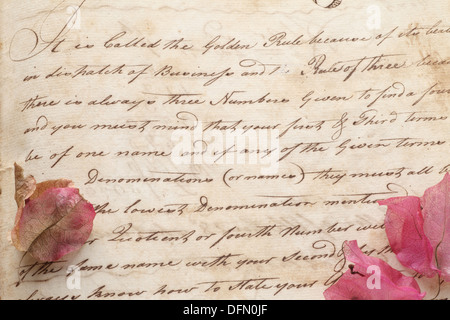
{"x":355,"y":284}
{"x":55,"y":224}
{"x":27,"y":190}
{"x":44,"y":186}
{"x":404,"y":229}
{"x":436,"y":214}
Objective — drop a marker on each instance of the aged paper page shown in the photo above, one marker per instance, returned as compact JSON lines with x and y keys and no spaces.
{"x":229,"y":147}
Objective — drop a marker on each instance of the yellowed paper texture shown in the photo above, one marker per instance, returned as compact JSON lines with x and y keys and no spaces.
{"x":229,"y":148}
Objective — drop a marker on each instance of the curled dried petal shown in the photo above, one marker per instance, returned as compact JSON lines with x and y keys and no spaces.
{"x":52,"y":218}
{"x":58,"y":222}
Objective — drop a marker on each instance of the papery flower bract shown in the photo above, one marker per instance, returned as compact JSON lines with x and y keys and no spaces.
{"x":418,"y":230}
{"x":52,"y":218}
{"x":356,"y":283}
{"x":404,"y":229}
{"x":436,"y":215}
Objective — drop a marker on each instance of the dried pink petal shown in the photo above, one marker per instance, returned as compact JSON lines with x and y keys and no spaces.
{"x":54,"y":224}
{"x":52,"y":218}
{"x":405,"y":231}
{"x":436,"y":214}
{"x":371,"y":279}
{"x":44,"y":186}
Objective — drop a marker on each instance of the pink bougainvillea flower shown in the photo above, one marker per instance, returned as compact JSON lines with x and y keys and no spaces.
{"x":418,"y":230}
{"x":436,"y":215}
{"x":404,"y":229}
{"x":52,"y":218}
{"x":371,"y":278}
